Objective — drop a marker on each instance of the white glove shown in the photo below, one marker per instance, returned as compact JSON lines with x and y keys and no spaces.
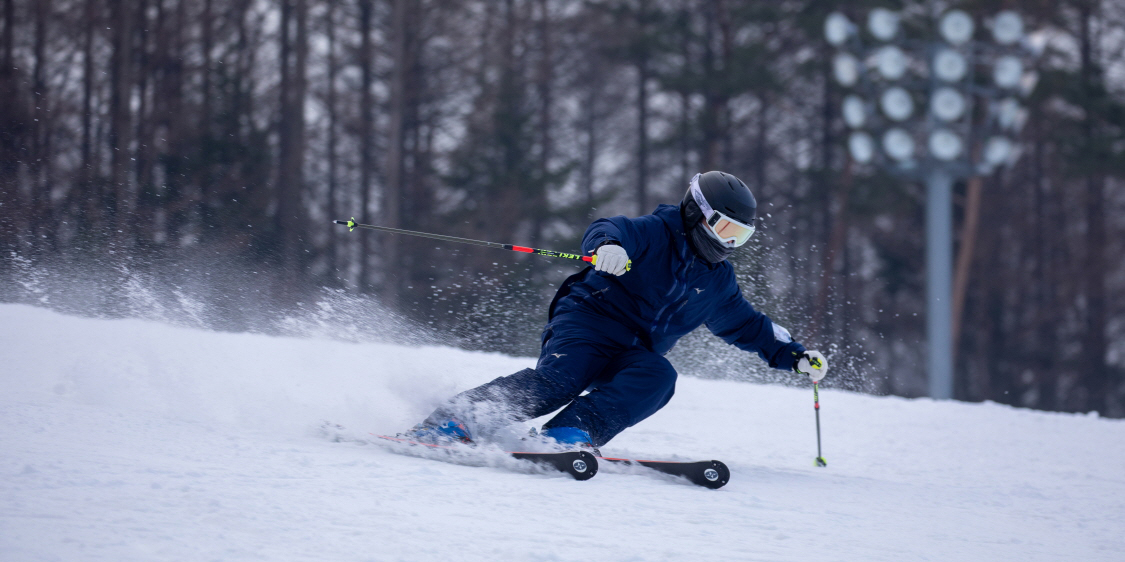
{"x":813,"y":364}
{"x":611,"y":258}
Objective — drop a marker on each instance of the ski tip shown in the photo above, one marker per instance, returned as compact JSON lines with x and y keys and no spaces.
{"x":711,"y":474}
{"x":715,"y":476}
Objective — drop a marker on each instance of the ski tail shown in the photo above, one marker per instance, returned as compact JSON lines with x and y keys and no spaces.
{"x":581,"y":465}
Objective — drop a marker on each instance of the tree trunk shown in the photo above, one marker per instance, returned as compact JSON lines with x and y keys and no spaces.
{"x":726,"y":35}
{"x":1046,"y":303}
{"x":85,"y":197}
{"x":367,"y":134}
{"x":393,"y":194}
{"x":642,"y":64}
{"x":1094,"y":343}
{"x":836,"y":246}
{"x":121,"y":20}
{"x":965,"y":257}
{"x":544,"y":83}
{"x":39,"y":161}
{"x":88,"y":169}
{"x":837,"y":212}
{"x":143,"y":167}
{"x":294,"y":56}
{"x":714,"y":124}
{"x":590,"y":122}
{"x":642,"y":138}
{"x":330,"y":18}
{"x":207,"y":39}
{"x":175,"y":127}
{"x":11,"y":135}
{"x":761,"y":146}
{"x":203,"y":174}
{"x":685,"y":94}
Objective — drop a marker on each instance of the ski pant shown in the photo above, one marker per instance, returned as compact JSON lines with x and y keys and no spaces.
{"x":581,"y":351}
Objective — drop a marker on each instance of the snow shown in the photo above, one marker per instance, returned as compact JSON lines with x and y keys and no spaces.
{"x":134,"y":440}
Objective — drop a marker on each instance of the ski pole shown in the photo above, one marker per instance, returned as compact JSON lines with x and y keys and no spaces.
{"x":352,"y":225}
{"x":816,"y":406}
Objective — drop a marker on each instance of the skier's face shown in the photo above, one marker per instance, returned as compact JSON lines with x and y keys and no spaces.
{"x":706,"y":244}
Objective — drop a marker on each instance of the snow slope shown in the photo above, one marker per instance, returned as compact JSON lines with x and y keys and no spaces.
{"x":133,"y":440}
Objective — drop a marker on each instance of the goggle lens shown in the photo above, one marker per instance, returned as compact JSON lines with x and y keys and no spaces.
{"x":731,"y":232}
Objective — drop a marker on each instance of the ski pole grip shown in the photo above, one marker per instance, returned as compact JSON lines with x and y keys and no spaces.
{"x":351,"y":224}
{"x":594,"y":261}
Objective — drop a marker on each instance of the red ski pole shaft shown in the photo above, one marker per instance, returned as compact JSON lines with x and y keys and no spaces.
{"x":352,"y":225}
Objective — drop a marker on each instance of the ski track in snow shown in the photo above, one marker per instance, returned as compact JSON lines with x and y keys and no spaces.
{"x":132,"y":440}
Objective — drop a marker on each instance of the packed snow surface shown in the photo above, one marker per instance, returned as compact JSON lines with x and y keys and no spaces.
{"x":134,"y":440}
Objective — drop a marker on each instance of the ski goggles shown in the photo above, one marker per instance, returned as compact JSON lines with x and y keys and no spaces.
{"x":730,"y":232}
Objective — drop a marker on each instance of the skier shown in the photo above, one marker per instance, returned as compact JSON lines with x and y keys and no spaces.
{"x":656,"y":278}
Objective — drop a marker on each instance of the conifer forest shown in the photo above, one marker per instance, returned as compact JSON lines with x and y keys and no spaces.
{"x":189,"y":157}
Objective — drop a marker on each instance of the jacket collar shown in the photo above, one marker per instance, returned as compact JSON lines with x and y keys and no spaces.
{"x":674,"y":222}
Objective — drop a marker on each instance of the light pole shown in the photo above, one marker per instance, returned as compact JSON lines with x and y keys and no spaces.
{"x":939,"y":281}
{"x":887,"y":74}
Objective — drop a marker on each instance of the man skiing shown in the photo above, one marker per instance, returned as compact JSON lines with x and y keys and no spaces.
{"x":656,"y":278}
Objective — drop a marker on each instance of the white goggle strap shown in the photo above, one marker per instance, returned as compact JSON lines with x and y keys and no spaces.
{"x":697,"y":194}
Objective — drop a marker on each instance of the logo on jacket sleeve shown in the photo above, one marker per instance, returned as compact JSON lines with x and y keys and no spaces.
{"x":698,"y":290}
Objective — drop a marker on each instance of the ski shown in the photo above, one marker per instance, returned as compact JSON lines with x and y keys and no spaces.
{"x":581,"y":465}
{"x":709,"y":474}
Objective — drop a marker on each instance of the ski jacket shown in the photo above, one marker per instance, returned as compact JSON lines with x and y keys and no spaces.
{"x":668,"y":291}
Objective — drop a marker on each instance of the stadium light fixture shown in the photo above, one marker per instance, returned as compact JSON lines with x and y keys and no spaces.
{"x":845,"y":68}
{"x":1010,"y":115}
{"x":883,"y":24}
{"x":945,"y":144}
{"x":956,"y":27}
{"x":997,"y":150}
{"x":898,"y":144}
{"x":897,"y":103}
{"x":891,"y":62}
{"x":934,"y":146}
{"x":949,"y":65}
{"x":855,"y":111}
{"x":1007,"y":28}
{"x":837,"y":28}
{"x":1007,"y":71}
{"x":947,"y":104}
{"x":861,"y":147}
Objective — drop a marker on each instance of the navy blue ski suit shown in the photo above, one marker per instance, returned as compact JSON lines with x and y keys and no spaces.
{"x":608,"y":334}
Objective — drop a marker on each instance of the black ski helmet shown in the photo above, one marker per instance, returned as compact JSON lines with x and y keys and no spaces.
{"x":720,"y":192}
{"x":724,"y":193}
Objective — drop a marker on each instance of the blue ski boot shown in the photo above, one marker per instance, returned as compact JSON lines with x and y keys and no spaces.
{"x":571,"y":438}
{"x":445,"y":433}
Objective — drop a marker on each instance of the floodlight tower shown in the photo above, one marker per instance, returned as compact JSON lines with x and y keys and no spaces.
{"x":887,"y":75}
